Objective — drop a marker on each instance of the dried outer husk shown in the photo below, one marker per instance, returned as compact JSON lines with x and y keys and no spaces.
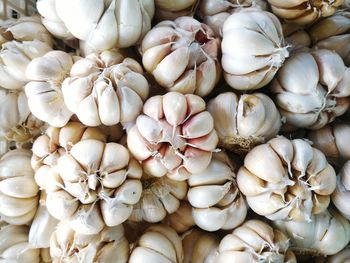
{"x":181,"y":220}
{"x":182,"y":55}
{"x":326,"y":234}
{"x":253,"y":48}
{"x":172,"y":9}
{"x":312,"y":88}
{"x":174,"y":136}
{"x":255,"y":241}
{"x":296,"y":36}
{"x":340,"y":196}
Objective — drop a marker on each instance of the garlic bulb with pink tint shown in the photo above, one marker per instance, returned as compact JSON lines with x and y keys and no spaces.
{"x":340,"y":196}
{"x":174,"y":136}
{"x":172,"y":9}
{"x":182,"y":55}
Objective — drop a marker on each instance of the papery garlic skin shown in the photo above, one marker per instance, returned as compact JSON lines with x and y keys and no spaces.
{"x":174,"y":136}
{"x":286,"y":179}
{"x":159,"y":243}
{"x":181,"y":220}
{"x":172,"y":9}
{"x":216,"y":200}
{"x":312,"y":88}
{"x":326,"y":234}
{"x":253,"y":49}
{"x":109,"y":245}
{"x":342,"y":193}
{"x":182,"y":55}
{"x":243,"y":121}
{"x":303,"y":12}
{"x":255,"y":241}
{"x":18,"y":190}
{"x":104,"y":88}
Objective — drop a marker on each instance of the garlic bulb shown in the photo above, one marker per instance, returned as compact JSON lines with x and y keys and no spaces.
{"x":216,"y":200}
{"x":100,"y":25}
{"x":295,"y":36}
{"x":172,"y":9}
{"x":333,"y":33}
{"x":199,"y":246}
{"x":341,"y":257}
{"x":326,"y":234}
{"x":254,"y":242}
{"x":181,"y":220}
{"x":304,"y":12}
{"x":312,"y":88}
{"x":286,"y":179}
{"x":243,"y":121}
{"x":214,"y":13}
{"x":105,"y":89}
{"x":253,"y":49}
{"x":18,"y":190}
{"x":107,"y":246}
{"x":174,"y":136}
{"x":44,"y":93}
{"x":182,"y":55}
{"x":159,"y":243}
{"x":340,"y":196}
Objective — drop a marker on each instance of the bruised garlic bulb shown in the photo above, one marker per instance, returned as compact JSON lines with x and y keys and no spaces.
{"x":100,"y":25}
{"x":216,"y":200}
{"x":244,"y":121}
{"x":253,"y":49}
{"x":286,"y":179}
{"x":304,"y":12}
{"x":172,"y":9}
{"x":105,"y":89}
{"x":326,"y":234}
{"x":312,"y":88}
{"x":255,"y":242}
{"x":18,"y":190}
{"x":159,"y":243}
{"x":107,"y":246}
{"x":182,"y":56}
{"x":160,"y":196}
{"x":181,"y":220}
{"x":174,"y":136}
{"x":340,"y":196}
{"x":214,"y":13}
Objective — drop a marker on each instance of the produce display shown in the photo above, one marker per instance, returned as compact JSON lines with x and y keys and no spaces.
{"x":174,"y":131}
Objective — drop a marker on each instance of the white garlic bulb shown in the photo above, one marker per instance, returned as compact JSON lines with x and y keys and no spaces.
{"x":181,"y":220}
{"x":253,"y":49}
{"x":172,"y":9}
{"x":182,"y":55}
{"x":312,"y":88}
{"x":342,"y":193}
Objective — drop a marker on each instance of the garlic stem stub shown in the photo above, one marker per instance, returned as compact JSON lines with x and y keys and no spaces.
{"x":174,"y":136}
{"x":172,"y":9}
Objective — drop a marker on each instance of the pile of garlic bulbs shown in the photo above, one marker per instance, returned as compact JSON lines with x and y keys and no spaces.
{"x":174,"y":131}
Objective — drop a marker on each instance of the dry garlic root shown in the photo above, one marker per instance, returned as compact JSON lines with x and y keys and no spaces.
{"x":92,"y":21}
{"x":214,"y":13}
{"x":182,"y":55}
{"x":312,"y":88}
{"x":107,"y":246}
{"x":160,"y":196}
{"x":18,"y":190}
{"x":253,"y":49}
{"x":216,"y":200}
{"x":340,"y":196}
{"x":174,"y":136}
{"x":255,"y":242}
{"x":159,"y":243}
{"x":104,"y":88}
{"x":181,"y":220}
{"x":172,"y":9}
{"x":304,"y":12}
{"x":286,"y":179}
{"x":244,"y":121}
{"x":326,"y":234}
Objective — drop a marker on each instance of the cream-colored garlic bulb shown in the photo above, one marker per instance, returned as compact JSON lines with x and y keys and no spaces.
{"x":312,"y":88}
{"x":18,"y":191}
{"x":286,"y":179}
{"x":159,"y":243}
{"x":214,"y":13}
{"x":295,"y":36}
{"x":181,"y":220}
{"x":200,"y":246}
{"x":254,"y":242}
{"x":333,"y":33}
{"x":243,"y":121}
{"x":105,"y":89}
{"x":100,"y":25}
{"x":172,"y":9}
{"x":182,"y":55}
{"x":160,"y":196}
{"x":253,"y":49}
{"x":326,"y":234}
{"x":174,"y":136}
{"x":107,"y":246}
{"x":304,"y":12}
{"x":341,"y":195}
{"x":216,"y":200}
